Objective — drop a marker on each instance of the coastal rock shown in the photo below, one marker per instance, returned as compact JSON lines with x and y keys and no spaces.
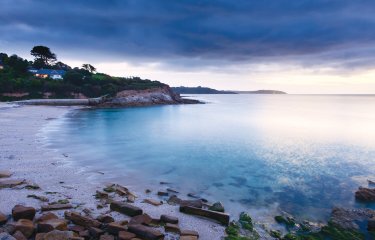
{"x":105,"y":219}
{"x":6,"y":236}
{"x":189,"y":233}
{"x":114,"y":228}
{"x":10,"y":183}
{"x":126,"y":209}
{"x":124,"y":235}
{"x":5,"y":174}
{"x":191,"y":203}
{"x":217,"y":207}
{"x":76,"y":228}
{"x":19,"y":236}
{"x":95,"y":232}
{"x":25,"y":226}
{"x":56,"y":235}
{"x":163,"y":194}
{"x":22,"y":212}
{"x":41,"y":198}
{"x":52,"y":224}
{"x":348,"y":218}
{"x":153,"y":202}
{"x":141,"y":219}
{"x":188,"y":238}
{"x":169,"y":227}
{"x":78,"y":219}
{"x":365,"y":194}
{"x":371,"y":224}
{"x":47,"y":216}
{"x":168,"y":219}
{"x":145,"y":232}
{"x":130,"y":198}
{"x":57,"y":206}
{"x":171,"y":190}
{"x":101,"y":194}
{"x":3,"y":218}
{"x":223,"y":218}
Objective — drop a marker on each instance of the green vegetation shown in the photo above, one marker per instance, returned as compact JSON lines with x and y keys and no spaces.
{"x":242,"y":229}
{"x":16,"y":79}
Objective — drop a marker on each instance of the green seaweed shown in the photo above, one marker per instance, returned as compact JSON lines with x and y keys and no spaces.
{"x":246,"y":221}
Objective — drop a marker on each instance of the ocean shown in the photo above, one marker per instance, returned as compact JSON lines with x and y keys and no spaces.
{"x":302,"y":154}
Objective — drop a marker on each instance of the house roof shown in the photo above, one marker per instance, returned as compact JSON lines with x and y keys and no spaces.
{"x":50,"y":72}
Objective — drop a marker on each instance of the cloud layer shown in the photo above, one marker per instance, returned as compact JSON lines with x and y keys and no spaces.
{"x":315,"y":32}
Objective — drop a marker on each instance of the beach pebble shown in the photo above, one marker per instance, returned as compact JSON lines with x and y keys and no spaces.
{"x":22,"y":212}
{"x":25,"y":226}
{"x":52,"y":224}
{"x":124,"y":235}
{"x":169,"y":227}
{"x":168,"y":219}
{"x":115,"y":228}
{"x":3,"y":218}
{"x":5,"y":174}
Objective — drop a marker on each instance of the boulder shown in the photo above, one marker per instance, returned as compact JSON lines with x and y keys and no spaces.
{"x":223,"y":218}
{"x":114,"y":228}
{"x":125,"y":208}
{"x":95,"y":232}
{"x":6,"y":236}
{"x":349,"y":218}
{"x":5,"y":174}
{"x":169,"y":227}
{"x":217,"y":207}
{"x":105,"y":219}
{"x":145,"y":232}
{"x":55,"y":235}
{"x":78,"y":219}
{"x":365,"y":194}
{"x":153,"y":202}
{"x":141,"y":219}
{"x":10,"y":183}
{"x":52,"y":224}
{"x":76,"y":228}
{"x":46,"y":216}
{"x":19,"y":236}
{"x":101,"y":194}
{"x":189,"y":233}
{"x":124,"y":235}
{"x":168,"y":219}
{"x":57,"y":206}
{"x":3,"y":218}
{"x":22,"y":212}
{"x":25,"y":226}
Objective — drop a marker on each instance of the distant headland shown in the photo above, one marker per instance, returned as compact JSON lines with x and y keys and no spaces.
{"x":206,"y":90}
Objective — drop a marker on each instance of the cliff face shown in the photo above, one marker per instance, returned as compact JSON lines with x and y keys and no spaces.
{"x":153,"y":96}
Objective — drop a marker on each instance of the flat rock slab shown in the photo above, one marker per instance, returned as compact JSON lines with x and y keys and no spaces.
{"x":168,"y":219}
{"x":145,"y":232}
{"x":153,"y":202}
{"x":125,"y":235}
{"x":58,"y":206}
{"x":80,"y":220}
{"x":126,"y":208}
{"x":22,"y":212}
{"x":9,"y":183}
{"x":349,"y":218}
{"x":223,"y":218}
{"x":189,"y":233}
{"x":52,"y":224}
{"x":5,"y":174}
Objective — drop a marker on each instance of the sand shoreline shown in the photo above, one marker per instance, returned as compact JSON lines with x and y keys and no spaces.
{"x":22,"y":152}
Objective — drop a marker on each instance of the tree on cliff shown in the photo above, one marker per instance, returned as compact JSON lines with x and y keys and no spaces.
{"x":43,"y":55}
{"x":89,"y":68}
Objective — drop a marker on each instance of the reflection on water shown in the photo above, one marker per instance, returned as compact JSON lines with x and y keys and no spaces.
{"x":299,"y":153}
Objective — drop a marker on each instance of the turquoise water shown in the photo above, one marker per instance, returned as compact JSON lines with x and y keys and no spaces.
{"x":262,"y":153}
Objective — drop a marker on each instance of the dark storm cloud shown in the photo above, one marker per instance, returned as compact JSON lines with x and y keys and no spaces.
{"x":241,"y":30}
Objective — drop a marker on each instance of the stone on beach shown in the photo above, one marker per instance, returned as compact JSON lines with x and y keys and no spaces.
{"x":78,"y":219}
{"x":168,"y":219}
{"x":365,"y":194}
{"x":189,"y":233}
{"x":107,"y":237}
{"x":57,"y":206}
{"x":141,"y":219}
{"x":41,"y":198}
{"x":55,"y":235}
{"x":19,"y":236}
{"x":188,"y":237}
{"x":162,"y":193}
{"x":101,"y":194}
{"x":25,"y":226}
{"x":217,"y":206}
{"x":3,"y":218}
{"x":47,"y":216}
{"x":126,"y":209}
{"x":105,"y":219}
{"x":371,"y":224}
{"x":52,"y":224}
{"x":223,"y":218}
{"x":95,"y":232}
{"x":5,"y":174}
{"x":22,"y":212}
{"x":153,"y":202}
{"x":169,"y":227}
{"x":349,"y":218}
{"x":145,"y":232}
{"x":124,"y":235}
{"x":115,"y":228}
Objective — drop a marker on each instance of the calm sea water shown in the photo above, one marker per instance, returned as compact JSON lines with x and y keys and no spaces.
{"x":302,"y":154}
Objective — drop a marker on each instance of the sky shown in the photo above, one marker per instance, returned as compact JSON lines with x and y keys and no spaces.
{"x":297,"y":46}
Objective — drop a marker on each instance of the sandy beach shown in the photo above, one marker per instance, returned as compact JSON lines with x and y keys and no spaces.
{"x":23,"y":153}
